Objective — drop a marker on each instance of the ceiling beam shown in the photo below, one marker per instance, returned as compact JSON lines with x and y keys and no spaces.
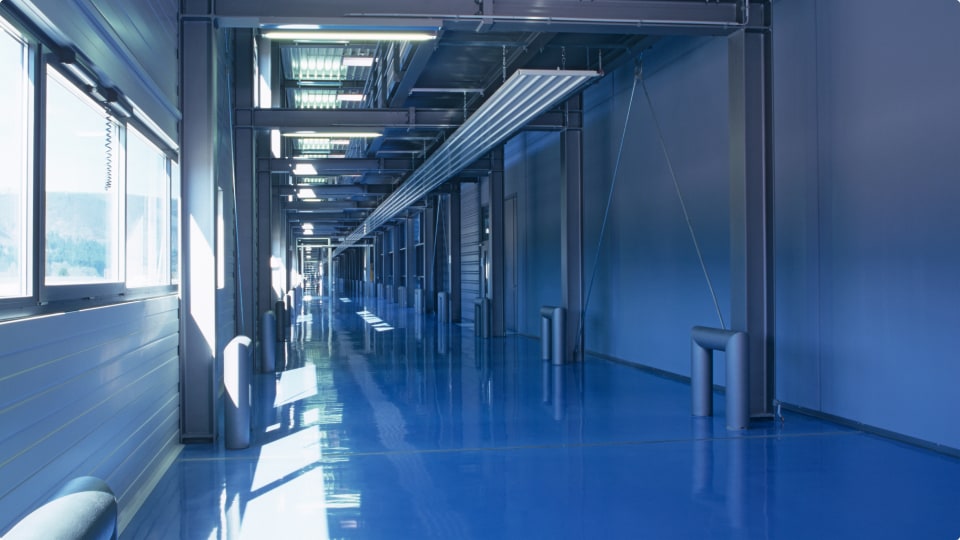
{"x":358,"y":166}
{"x":376,"y":119}
{"x":614,"y":16}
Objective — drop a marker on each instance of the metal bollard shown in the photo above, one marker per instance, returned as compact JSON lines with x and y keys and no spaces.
{"x":280,"y":312}
{"x":703,"y":342}
{"x":268,"y":343}
{"x":546,"y":313}
{"x":84,"y":508}
{"x":418,"y":300}
{"x":236,"y":381}
{"x":443,"y":308}
{"x":481,"y":317}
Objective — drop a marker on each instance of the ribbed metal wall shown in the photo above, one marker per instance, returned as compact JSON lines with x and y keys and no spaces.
{"x":88,"y":393}
{"x":469,"y":248}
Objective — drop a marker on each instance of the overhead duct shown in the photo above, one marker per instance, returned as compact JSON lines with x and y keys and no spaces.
{"x":524,"y":96}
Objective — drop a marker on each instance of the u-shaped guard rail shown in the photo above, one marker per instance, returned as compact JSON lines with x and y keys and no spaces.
{"x":703,"y":341}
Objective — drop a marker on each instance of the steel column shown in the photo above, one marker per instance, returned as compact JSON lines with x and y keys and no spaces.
{"x":428,"y":228}
{"x":497,"y":252}
{"x":751,"y":194}
{"x":571,"y":230}
{"x":410,"y":266}
{"x":453,"y":248}
{"x":198,"y":378}
{"x":244,"y":173}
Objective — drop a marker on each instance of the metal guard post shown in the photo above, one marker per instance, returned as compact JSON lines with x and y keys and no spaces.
{"x":552,"y":334}
{"x":268,"y":343}
{"x":236,"y":380}
{"x":83,"y":509}
{"x":703,"y":341}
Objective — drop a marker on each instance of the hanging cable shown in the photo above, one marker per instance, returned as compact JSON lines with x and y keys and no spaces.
{"x":108,"y":150}
{"x":606,"y":213}
{"x":236,"y":220}
{"x":683,"y":206}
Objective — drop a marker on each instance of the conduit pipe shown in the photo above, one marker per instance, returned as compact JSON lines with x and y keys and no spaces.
{"x":524,"y":96}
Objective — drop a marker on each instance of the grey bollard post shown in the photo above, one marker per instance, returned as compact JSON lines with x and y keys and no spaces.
{"x":558,"y":334}
{"x":236,"y":381}
{"x":703,"y":342}
{"x":280,"y":312}
{"x":268,"y":342}
{"x":443,"y":314}
{"x":418,"y":300}
{"x":85,"y":508}
{"x":546,"y":314}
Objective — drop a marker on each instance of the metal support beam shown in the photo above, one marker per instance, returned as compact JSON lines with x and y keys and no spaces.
{"x":453,"y":248}
{"x":410,"y":264}
{"x":418,"y":62}
{"x":198,"y":332}
{"x":637,"y":16}
{"x":371,"y":119}
{"x":428,"y":228}
{"x":498,"y":275}
{"x":359,"y":166}
{"x":244,"y":172}
{"x":751,"y":204}
{"x":571,"y":231}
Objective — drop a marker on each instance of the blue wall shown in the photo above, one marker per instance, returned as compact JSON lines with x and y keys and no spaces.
{"x":867,"y":236}
{"x":867,"y":185}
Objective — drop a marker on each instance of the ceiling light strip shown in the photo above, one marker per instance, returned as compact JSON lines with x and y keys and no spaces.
{"x":523,"y":97}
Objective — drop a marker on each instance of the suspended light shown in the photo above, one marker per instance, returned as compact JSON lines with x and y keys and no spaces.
{"x":523,"y":97}
{"x":346,"y":35}
{"x":331,"y":134}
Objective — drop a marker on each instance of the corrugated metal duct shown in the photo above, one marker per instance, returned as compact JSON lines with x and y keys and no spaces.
{"x":524,"y":96}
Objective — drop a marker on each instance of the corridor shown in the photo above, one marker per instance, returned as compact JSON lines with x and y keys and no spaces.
{"x":383,"y":425}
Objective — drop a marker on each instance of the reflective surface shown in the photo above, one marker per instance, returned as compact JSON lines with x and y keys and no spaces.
{"x":383,"y":425}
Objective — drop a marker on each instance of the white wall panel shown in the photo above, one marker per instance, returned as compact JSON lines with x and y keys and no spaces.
{"x":91,"y":392}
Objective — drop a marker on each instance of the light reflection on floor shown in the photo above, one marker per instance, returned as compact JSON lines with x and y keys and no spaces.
{"x":425,"y":432}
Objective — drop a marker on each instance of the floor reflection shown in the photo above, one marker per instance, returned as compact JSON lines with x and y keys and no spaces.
{"x":382,"y":423}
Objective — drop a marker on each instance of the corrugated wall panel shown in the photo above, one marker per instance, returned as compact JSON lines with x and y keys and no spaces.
{"x":88,"y":392}
{"x":469,"y":249}
{"x":132,"y":43}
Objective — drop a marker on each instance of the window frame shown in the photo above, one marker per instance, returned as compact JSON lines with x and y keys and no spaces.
{"x":91,"y":290}
{"x":41,"y":298}
{"x":28,"y":195}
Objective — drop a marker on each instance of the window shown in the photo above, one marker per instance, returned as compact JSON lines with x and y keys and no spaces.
{"x":15,"y":170}
{"x":83,"y":166}
{"x":174,"y":222}
{"x":147,"y":212}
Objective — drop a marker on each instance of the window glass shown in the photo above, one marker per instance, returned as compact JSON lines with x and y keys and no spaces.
{"x":83,"y":165}
{"x":14,"y":160}
{"x":147,"y":212}
{"x":174,"y":222}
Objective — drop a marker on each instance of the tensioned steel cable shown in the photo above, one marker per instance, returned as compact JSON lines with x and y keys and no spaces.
{"x":606,"y":213}
{"x":683,"y":206}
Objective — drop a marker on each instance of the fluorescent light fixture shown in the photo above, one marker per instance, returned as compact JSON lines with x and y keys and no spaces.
{"x":347,"y":35}
{"x":331,"y":134}
{"x":308,"y":233}
{"x":305,"y":169}
{"x":358,"y":61}
{"x":350,"y":97}
{"x":307,"y":193}
{"x":340,"y":142}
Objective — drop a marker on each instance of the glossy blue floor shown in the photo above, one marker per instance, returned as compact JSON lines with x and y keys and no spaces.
{"x":383,"y":425}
